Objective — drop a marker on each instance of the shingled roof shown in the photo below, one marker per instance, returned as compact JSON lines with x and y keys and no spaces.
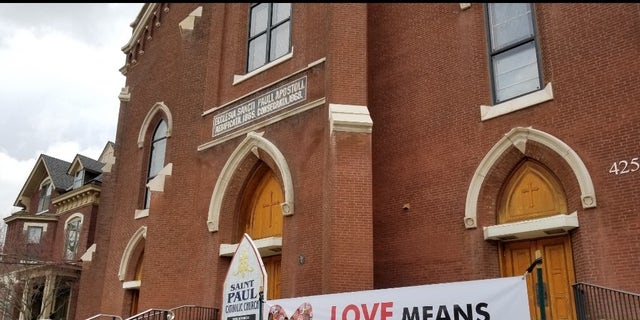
{"x":57,"y":170}
{"x":90,"y":164}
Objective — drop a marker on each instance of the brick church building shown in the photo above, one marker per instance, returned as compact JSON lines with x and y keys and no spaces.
{"x":367,"y":146}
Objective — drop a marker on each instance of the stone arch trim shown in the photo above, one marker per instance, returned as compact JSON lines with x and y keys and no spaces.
{"x":129,"y":249}
{"x":158,"y":107}
{"x":518,"y":138}
{"x":248,"y":146}
{"x":73,"y":216}
{"x":45,"y":181}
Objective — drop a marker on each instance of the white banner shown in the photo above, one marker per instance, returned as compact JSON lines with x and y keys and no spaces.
{"x":491,"y":299}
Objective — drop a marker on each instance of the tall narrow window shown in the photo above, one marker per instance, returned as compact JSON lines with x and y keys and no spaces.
{"x":78,"y":179}
{"x":515,"y":67}
{"x":156,"y":159}
{"x":269,"y":33}
{"x":33,"y":239}
{"x":45,"y":197}
{"x":72,"y":235}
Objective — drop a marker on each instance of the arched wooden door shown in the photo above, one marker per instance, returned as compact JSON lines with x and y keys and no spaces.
{"x":532,"y":192}
{"x":265,"y":217}
{"x":265,"y":220}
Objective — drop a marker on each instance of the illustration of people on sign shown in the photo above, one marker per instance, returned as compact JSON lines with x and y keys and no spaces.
{"x":303,"y":312}
{"x":276,"y":312}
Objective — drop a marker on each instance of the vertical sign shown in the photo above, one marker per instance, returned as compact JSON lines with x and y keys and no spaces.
{"x":245,"y":279}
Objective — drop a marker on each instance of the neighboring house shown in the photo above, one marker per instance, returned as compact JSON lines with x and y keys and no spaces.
{"x":46,"y":240}
{"x":367,"y":146}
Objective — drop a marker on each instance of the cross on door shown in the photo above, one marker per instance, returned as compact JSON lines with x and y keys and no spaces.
{"x":270,"y":206}
{"x":530,"y":190}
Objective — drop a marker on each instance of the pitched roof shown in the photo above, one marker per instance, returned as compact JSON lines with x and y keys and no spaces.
{"x":90,"y":164}
{"x":57,"y":170}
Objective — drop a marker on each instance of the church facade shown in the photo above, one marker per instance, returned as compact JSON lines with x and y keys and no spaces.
{"x":367,"y":146}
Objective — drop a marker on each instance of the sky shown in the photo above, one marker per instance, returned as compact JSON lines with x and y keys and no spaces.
{"x":59,"y":84}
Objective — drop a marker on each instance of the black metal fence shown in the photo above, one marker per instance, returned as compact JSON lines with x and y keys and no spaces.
{"x":190,"y":312}
{"x":599,"y":303}
{"x":186,"y":312}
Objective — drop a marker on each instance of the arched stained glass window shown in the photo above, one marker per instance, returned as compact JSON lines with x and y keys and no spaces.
{"x":72,"y":236}
{"x":156,"y":158}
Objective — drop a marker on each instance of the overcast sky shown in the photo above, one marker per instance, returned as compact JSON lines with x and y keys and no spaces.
{"x":59,"y":84}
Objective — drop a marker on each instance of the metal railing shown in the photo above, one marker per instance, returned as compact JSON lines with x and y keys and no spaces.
{"x":186,"y":312}
{"x":105,"y":317}
{"x":153,"y":314}
{"x":599,"y":303}
{"x":192,"y":312}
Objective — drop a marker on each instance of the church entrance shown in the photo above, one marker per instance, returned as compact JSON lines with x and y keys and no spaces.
{"x":533,"y":192}
{"x":264,"y":219}
{"x":557,"y":273}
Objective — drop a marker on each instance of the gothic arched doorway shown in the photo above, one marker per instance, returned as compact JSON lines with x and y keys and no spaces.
{"x":533,"y":192}
{"x":262,"y":218}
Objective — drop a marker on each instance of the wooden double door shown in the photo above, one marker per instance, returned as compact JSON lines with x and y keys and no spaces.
{"x":557,"y":274}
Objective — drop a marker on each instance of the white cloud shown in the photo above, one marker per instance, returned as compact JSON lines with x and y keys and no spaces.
{"x":13,"y":175}
{"x":59,"y":83}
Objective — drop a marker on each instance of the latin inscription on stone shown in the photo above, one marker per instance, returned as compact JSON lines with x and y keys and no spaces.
{"x":260,"y":107}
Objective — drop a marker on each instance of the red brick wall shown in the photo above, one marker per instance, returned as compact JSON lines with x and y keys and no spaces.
{"x":91,"y":285}
{"x":428,"y":137}
{"x":422,"y":71}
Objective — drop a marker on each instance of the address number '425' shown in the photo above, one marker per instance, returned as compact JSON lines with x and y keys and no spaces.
{"x":624,"y":166}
